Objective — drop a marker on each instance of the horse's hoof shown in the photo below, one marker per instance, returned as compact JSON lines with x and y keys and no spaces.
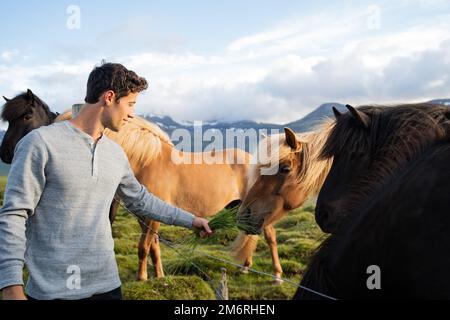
{"x":244,"y":270}
{"x":277,"y":281}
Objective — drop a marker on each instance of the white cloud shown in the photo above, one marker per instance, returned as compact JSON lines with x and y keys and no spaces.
{"x":276,"y":75}
{"x":8,"y":55}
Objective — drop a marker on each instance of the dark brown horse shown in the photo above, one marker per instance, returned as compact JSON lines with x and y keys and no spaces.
{"x":386,"y":203}
{"x":369,"y":145}
{"x":23,"y":114}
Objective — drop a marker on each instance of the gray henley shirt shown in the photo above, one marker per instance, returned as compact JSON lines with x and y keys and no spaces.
{"x":56,"y":208}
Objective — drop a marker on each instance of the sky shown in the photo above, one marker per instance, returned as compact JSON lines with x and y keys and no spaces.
{"x":268,"y":61}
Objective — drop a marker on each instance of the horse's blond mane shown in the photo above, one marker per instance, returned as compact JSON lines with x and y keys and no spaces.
{"x":313,"y":169}
{"x":140,"y":139}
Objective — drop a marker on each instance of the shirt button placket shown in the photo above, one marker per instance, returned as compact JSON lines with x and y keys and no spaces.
{"x":94,"y":161}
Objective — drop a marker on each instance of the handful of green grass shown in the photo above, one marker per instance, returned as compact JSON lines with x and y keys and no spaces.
{"x":224,"y":221}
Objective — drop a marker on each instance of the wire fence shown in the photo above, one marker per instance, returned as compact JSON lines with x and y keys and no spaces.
{"x":215,"y":284}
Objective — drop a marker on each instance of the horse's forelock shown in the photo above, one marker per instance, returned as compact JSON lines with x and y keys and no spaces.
{"x":15,"y":108}
{"x":20,"y":105}
{"x":312,"y":169}
{"x":345,"y":137}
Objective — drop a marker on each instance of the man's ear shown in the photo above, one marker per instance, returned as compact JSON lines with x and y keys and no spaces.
{"x":108,"y":97}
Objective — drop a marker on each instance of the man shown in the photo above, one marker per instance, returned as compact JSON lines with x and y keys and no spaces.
{"x":62,"y":181}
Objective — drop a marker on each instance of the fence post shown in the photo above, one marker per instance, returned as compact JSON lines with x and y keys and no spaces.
{"x":222,"y":292}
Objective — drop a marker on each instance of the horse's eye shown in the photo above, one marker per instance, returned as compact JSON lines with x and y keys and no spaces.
{"x":285,"y":169}
{"x":28,"y":117}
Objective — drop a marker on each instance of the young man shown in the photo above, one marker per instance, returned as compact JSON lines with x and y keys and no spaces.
{"x":62,"y":181}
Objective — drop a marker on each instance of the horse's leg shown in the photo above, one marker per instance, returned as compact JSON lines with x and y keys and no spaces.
{"x":113,"y":211}
{"x":143,"y":249}
{"x":245,"y":246}
{"x":155,"y":251}
{"x":271,"y":238}
{"x":249,"y":258}
{"x":248,"y":263}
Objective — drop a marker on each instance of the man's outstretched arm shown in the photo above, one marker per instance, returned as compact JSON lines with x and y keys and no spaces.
{"x":138,"y":200}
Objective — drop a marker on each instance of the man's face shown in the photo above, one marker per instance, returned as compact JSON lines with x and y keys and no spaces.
{"x":119,"y":112}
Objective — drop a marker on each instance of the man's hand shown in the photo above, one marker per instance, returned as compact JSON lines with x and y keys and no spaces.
{"x":13,"y":293}
{"x":202,"y":225}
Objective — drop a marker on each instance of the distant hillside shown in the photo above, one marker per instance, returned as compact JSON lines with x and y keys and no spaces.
{"x":441,"y":101}
{"x":169,"y":125}
{"x":307,"y":123}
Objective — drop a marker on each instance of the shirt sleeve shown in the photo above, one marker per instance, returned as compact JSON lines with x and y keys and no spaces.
{"x":25,"y":184}
{"x":143,"y":203}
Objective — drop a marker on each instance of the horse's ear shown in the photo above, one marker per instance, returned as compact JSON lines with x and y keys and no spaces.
{"x":291,"y":140}
{"x":30,"y":95}
{"x":361,"y":118}
{"x":6,"y":99}
{"x":337,"y":113}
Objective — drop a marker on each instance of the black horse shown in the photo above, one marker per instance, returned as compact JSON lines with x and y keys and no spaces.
{"x":369,"y":145}
{"x":391,"y":215}
{"x":25,"y":113}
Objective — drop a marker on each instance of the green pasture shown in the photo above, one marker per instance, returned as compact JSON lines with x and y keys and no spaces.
{"x":196,"y":275}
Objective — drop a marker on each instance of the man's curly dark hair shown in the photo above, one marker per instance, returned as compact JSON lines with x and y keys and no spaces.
{"x":115,"y":77}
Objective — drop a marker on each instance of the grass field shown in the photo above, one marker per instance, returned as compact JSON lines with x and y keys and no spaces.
{"x":193,"y":275}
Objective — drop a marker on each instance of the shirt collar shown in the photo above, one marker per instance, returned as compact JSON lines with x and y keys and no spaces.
{"x":81,"y":133}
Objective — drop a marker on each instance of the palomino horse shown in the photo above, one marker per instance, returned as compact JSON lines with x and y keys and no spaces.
{"x":386,"y":203}
{"x":299,"y":174}
{"x":203,"y":189}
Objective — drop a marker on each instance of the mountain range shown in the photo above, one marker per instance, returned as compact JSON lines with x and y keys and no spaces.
{"x":307,"y":123}
{"x":304,"y":124}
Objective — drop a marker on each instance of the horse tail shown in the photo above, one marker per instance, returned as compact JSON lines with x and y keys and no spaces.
{"x":244,"y":246}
